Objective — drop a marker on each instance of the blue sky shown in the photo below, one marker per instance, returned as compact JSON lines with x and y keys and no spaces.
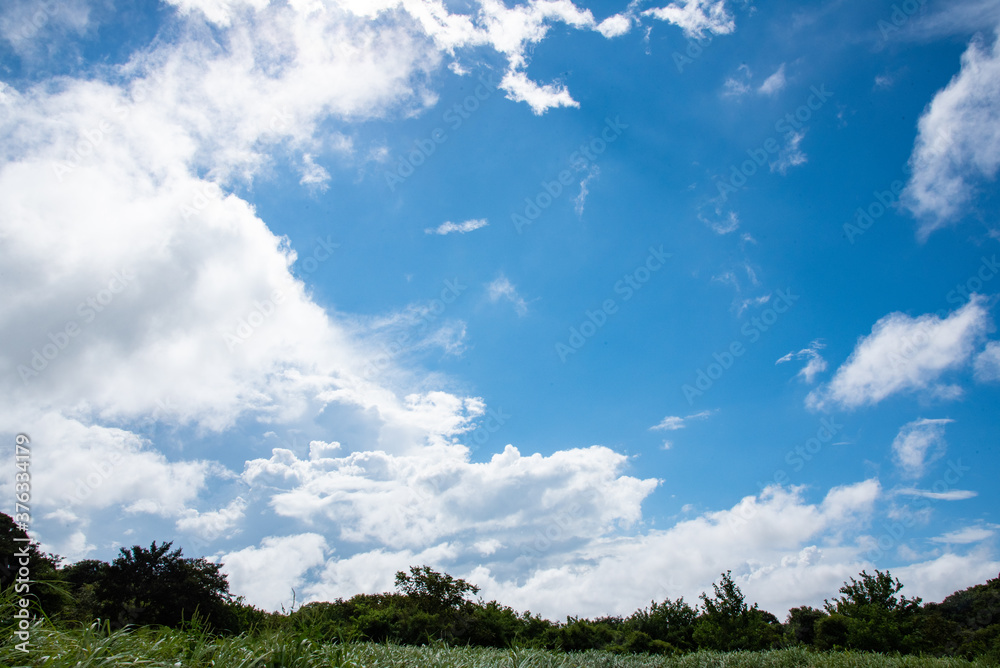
{"x":584,"y":302}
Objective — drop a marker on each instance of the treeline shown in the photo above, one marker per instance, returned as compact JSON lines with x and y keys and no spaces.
{"x":158,"y":586}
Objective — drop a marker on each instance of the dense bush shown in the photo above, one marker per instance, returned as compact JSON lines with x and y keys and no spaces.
{"x":159,"y":587}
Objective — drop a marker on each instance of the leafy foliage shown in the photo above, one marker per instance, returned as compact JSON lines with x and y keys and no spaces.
{"x":801,"y":624}
{"x":727,"y":623}
{"x":876,"y":619}
{"x":435,"y":591}
{"x":113,"y":607}
{"x":42,"y":586}
{"x":160,"y":587}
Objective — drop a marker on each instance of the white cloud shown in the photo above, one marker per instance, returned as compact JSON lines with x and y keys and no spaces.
{"x":266,"y":575}
{"x":670,"y":423}
{"x":959,"y":19}
{"x":502,"y":288}
{"x":96,"y":468}
{"x":488,"y":547}
{"x":449,"y":227}
{"x":581,"y":198}
{"x":739,"y":84}
{"x":884,"y":81}
{"x":509,"y":30}
{"x":219,"y":12}
{"x":116,"y":217}
{"x":771,"y":542}
{"x":729,"y":222}
{"x":918,"y":444}
{"x":425,"y":498}
{"x":940,"y":577}
{"x":905,"y":354}
{"x":950,"y":495}
{"x":33,"y":29}
{"x":790,"y":155}
{"x":313,"y":175}
{"x":615,"y":26}
{"x":987,"y":363}
{"x":958,"y":144}
{"x":557,"y":560}
{"x":974,"y":534}
{"x":815,"y":365}
{"x":540,"y":98}
{"x":696,"y":17}
{"x":673,"y":422}
{"x":213,"y":524}
{"x":774,"y":83}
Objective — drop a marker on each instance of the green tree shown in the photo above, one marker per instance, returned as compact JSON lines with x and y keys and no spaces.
{"x":966,"y":623}
{"x":160,"y":587}
{"x":831,"y":632}
{"x":82,"y":580}
{"x":727,"y":623}
{"x":670,"y":621}
{"x":19,"y":557}
{"x":801,"y":624}
{"x":435,"y":592}
{"x":877,"y":619}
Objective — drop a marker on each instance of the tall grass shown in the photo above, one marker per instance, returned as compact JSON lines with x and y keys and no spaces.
{"x":97,"y":645}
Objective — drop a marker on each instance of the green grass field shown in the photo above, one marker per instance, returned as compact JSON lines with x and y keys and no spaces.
{"x":84,"y":648}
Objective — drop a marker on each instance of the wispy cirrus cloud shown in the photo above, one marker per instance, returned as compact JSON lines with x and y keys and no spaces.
{"x":449,"y":227}
{"x":966,"y":535}
{"x":502,"y":288}
{"x":815,"y":364}
{"x":673,"y":422}
{"x":987,"y":363}
{"x":774,"y":83}
{"x":949,"y":495}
